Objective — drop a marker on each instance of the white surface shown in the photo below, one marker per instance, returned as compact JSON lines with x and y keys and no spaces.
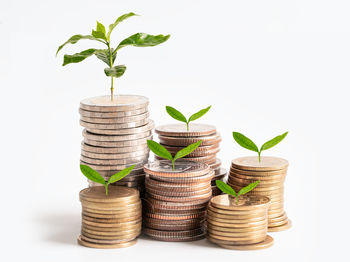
{"x":265,"y":66}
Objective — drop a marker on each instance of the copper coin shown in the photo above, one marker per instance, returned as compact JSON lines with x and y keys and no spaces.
{"x":167,"y":227}
{"x":184,"y":180}
{"x":186,"y":141}
{"x":267,"y":163}
{"x":125,"y":131}
{"x":215,"y":165}
{"x":180,"y":130}
{"x":204,"y":197}
{"x":135,"y":112}
{"x":177,"y":239}
{"x":175,"y":217}
{"x":188,"y":187}
{"x":113,"y":150}
{"x":244,"y":203}
{"x":116,"y":194}
{"x":158,"y":204}
{"x":198,"y":152}
{"x":172,"y":193}
{"x":127,"y":143}
{"x":85,"y":243}
{"x":151,"y":220}
{"x":114,"y":120}
{"x":277,"y":224}
{"x":115,"y":138}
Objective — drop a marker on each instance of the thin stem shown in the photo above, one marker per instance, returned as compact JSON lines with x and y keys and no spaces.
{"x":259,"y":156}
{"x":187,"y":123}
{"x":111,"y":65}
{"x":173,"y":164}
{"x":106,"y":187}
{"x":112,"y":89}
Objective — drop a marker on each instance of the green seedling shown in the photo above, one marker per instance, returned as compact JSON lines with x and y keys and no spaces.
{"x":108,"y":55}
{"x":230,"y":191}
{"x":95,"y":176}
{"x":180,"y":117}
{"x":162,"y":152}
{"x":245,"y":142}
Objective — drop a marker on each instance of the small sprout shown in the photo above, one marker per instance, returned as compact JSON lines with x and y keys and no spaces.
{"x":93,"y":175}
{"x":180,"y":117}
{"x":245,"y":142}
{"x":162,"y":152}
{"x":230,"y":191}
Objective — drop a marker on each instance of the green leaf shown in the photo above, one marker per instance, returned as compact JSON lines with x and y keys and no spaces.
{"x":175,"y":114}
{"x":245,"y":142}
{"x":103,"y":55}
{"x":159,"y":150}
{"x":225,"y":188}
{"x":100,"y":31}
{"x":273,"y":142}
{"x":116,"y":71}
{"x":120,"y":174}
{"x":100,"y":28}
{"x":143,"y":40}
{"x":248,"y":188}
{"x":187,"y":150}
{"x":91,"y":174}
{"x":75,"y":38}
{"x":199,"y":114}
{"x":78,"y":57}
{"x":119,"y":20}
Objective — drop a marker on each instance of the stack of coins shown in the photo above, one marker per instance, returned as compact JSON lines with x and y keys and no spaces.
{"x":115,"y":136}
{"x":239,"y":225}
{"x":176,"y":200}
{"x":271,"y":172}
{"x":174,"y":137}
{"x":110,"y":221}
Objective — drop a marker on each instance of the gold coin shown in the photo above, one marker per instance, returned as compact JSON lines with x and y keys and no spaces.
{"x":105,"y":246}
{"x":279,"y":218}
{"x":112,"y":220}
{"x":238,"y":234}
{"x":244,"y":202}
{"x":263,"y":183}
{"x":268,"y":242}
{"x":271,"y":189}
{"x":286,"y":226}
{"x":235,"y":221}
{"x":260,"y":174}
{"x":180,"y":130}
{"x":118,"y":237}
{"x":236,"y":230}
{"x":112,"y":225}
{"x":252,"y":239}
{"x":135,"y":230}
{"x":267,"y":163}
{"x":241,"y":225}
{"x":111,"y":230}
{"x":114,"y":211}
{"x":236,"y":217}
{"x":123,"y":214}
{"x":256,"y":212}
{"x":114,"y":206}
{"x":115,"y":194}
{"x":105,"y":241}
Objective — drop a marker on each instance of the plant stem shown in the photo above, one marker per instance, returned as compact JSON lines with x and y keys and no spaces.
{"x":112,"y":89}
{"x":187,"y":123}
{"x":236,"y":200}
{"x":106,"y":186}
{"x":259,"y":156}
{"x":173,"y":164}
{"x":110,"y":66}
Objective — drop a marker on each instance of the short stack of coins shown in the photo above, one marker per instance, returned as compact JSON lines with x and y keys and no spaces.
{"x":110,"y":221}
{"x":271,"y":171}
{"x":175,"y":137}
{"x":115,"y":136}
{"x":239,"y":225}
{"x":176,"y":200}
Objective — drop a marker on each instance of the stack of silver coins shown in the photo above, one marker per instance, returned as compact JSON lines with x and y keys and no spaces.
{"x":115,"y":136}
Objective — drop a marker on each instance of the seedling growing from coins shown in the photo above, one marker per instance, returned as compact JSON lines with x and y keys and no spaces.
{"x":95,"y":176}
{"x":109,"y":54}
{"x":179,"y":116}
{"x":162,"y":152}
{"x":230,"y":191}
{"x":245,"y":142}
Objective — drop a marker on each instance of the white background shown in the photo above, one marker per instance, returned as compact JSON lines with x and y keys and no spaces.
{"x":265,"y":67}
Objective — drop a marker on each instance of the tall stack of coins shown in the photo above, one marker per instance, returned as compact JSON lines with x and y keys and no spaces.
{"x":175,"y":137}
{"x":271,"y":172}
{"x":176,"y":200}
{"x":239,"y":225}
{"x":110,"y":221}
{"x":115,"y":136}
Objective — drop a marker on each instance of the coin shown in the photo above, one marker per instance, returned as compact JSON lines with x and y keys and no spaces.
{"x":115,"y":138}
{"x":275,"y":173}
{"x":114,"y":167}
{"x":105,"y":241}
{"x":180,"y":130}
{"x":241,"y":225}
{"x":235,"y":217}
{"x":263,"y":179}
{"x":135,"y":112}
{"x":126,"y":213}
{"x":116,"y":195}
{"x":135,"y":230}
{"x":133,"y":217}
{"x":238,"y":234}
{"x":186,"y":141}
{"x":119,"y":103}
{"x":167,"y":227}
{"x":237,"y":221}
{"x":115,"y":150}
{"x":113,"y":225}
{"x":116,"y":237}
{"x":267,"y":163}
{"x":204,"y":159}
{"x":204,"y":197}
{"x":241,"y":213}
{"x":244,"y":203}
{"x":216,"y":164}
{"x":182,"y":187}
{"x":176,"y":239}
{"x":114,"y":126}
{"x":251,"y":239}
{"x":262,"y":184}
{"x":115,"y":120}
{"x":185,"y":180}
{"x":238,"y":229}
{"x":268,"y":242}
{"x":176,"y":193}
{"x":198,"y":204}
{"x":200,"y":214}
{"x":140,"y":153}
{"x":286,"y":226}
{"x":105,"y":246}
{"x":125,"y":131}
{"x":134,"y":142}
{"x":110,"y":207}
{"x":111,"y":230}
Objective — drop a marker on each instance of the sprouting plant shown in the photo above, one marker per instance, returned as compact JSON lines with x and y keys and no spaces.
{"x":93,"y":175}
{"x":162,"y":152}
{"x":229,"y":190}
{"x":179,"y":116}
{"x":245,"y":142}
{"x":109,"y":54}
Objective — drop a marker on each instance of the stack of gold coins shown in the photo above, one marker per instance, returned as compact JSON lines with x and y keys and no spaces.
{"x":115,"y":136}
{"x":176,"y":200}
{"x":174,"y":137}
{"x":271,"y":171}
{"x":239,"y":224}
{"x":110,"y":221}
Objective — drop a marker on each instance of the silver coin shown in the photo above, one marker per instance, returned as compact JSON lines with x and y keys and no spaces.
{"x":112,"y":167}
{"x":126,"y":131}
{"x":116,"y":156}
{"x":135,"y":142}
{"x":113,"y":161}
{"x":108,"y":173}
{"x":114,"y":126}
{"x":119,"y":103}
{"x":115,"y":120}
{"x":135,"y":112}
{"x":112,"y":138}
{"x":113,"y":150}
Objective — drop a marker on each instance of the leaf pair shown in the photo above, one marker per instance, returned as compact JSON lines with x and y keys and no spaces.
{"x":162,"y":152}
{"x":245,"y":142}
{"x":230,"y":191}
{"x":93,"y":175}
{"x":180,"y":117}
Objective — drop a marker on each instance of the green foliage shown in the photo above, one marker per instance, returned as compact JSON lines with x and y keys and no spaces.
{"x":162,"y":152}
{"x":245,"y":142}
{"x":174,"y":113}
{"x":230,"y":191}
